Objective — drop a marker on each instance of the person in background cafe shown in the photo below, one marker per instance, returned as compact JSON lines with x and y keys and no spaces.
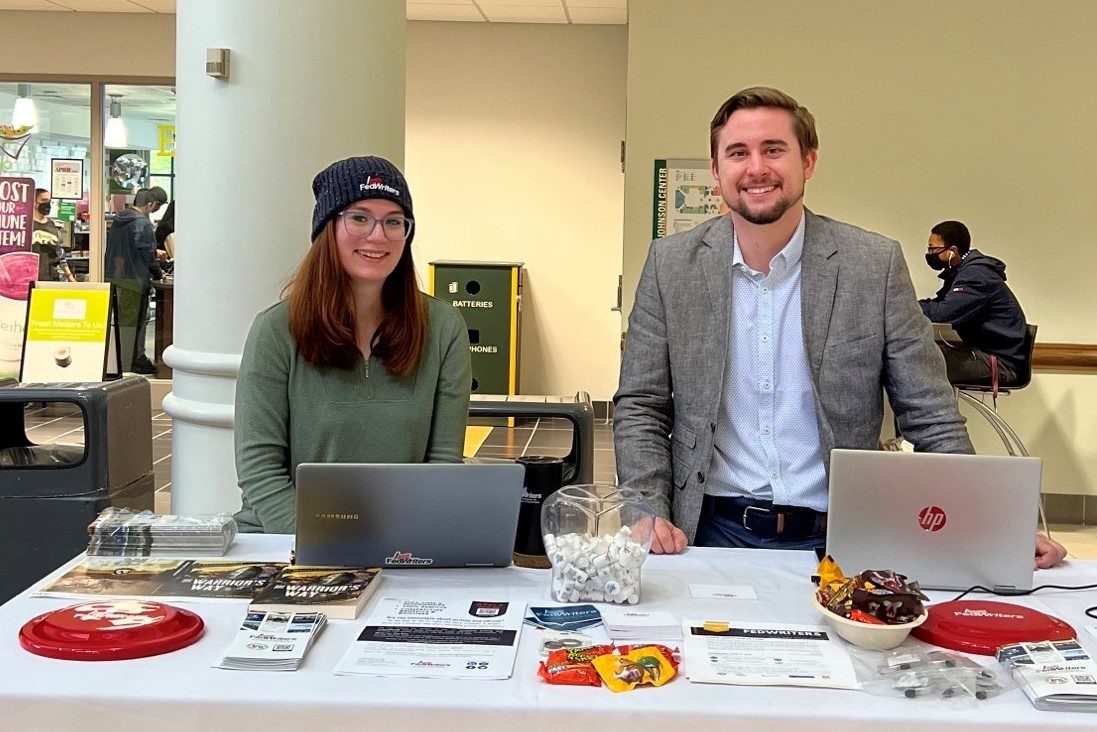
{"x":762,"y":339}
{"x":130,"y":263}
{"x":976,"y":301}
{"x":165,"y":233}
{"x":46,"y":243}
{"x":355,"y":364}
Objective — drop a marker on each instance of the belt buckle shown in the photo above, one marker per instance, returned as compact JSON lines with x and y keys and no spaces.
{"x":746,"y":513}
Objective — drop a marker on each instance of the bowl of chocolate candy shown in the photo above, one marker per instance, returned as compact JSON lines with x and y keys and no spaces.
{"x":875,"y":609}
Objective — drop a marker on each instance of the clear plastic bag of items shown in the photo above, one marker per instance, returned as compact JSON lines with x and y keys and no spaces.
{"x":597,"y":538}
{"x":933,"y":675}
{"x":123,"y":532}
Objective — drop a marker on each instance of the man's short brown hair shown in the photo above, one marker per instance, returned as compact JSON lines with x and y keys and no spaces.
{"x":803,"y":123}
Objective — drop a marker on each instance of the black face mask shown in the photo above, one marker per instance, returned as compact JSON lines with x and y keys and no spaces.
{"x":43,"y":208}
{"x":934,"y":261}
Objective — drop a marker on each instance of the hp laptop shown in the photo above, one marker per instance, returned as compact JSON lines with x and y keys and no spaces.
{"x":948,"y":521}
{"x":407,"y":515}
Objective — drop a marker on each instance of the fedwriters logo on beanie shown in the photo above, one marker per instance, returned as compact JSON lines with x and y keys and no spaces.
{"x":357,"y":179}
{"x":376,"y":184}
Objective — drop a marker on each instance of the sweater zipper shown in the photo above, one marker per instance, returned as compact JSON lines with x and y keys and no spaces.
{"x":369,"y":382}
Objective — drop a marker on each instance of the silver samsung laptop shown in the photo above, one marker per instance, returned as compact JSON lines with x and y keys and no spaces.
{"x":407,"y":515}
{"x":948,"y":521}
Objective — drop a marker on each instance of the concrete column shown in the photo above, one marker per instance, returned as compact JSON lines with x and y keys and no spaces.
{"x":309,"y":83}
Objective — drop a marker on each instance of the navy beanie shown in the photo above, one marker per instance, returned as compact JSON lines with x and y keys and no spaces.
{"x":355,"y":179}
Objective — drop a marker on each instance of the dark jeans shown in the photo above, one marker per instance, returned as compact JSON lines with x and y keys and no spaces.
{"x":967,"y":365}
{"x":726,"y":529}
{"x":142,"y":327}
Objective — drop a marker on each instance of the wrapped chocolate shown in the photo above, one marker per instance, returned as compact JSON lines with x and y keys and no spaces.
{"x":642,"y":665}
{"x":573,"y":666}
{"x":879,"y":595}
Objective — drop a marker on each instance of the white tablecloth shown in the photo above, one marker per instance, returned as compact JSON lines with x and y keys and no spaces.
{"x":182,"y":691}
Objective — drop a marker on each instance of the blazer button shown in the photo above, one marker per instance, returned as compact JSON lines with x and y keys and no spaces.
{"x":700,"y":477}
{"x":712,"y":426}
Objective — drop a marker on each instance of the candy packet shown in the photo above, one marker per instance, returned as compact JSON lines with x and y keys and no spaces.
{"x":573,"y":666}
{"x":645,"y":665}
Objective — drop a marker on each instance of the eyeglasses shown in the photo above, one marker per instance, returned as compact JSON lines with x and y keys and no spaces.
{"x":361,"y":224}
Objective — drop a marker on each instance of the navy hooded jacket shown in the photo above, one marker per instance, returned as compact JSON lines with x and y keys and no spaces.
{"x":976,"y":301}
{"x":131,"y":249}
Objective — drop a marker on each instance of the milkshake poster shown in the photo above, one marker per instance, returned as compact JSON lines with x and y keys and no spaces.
{"x":18,"y":267}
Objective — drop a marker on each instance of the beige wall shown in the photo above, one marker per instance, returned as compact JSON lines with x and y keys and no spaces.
{"x":981,"y":110}
{"x":513,"y":137}
{"x":92,"y":44}
{"x":513,"y":154}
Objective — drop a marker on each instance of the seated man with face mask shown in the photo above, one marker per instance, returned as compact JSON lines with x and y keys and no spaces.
{"x":975,"y":300}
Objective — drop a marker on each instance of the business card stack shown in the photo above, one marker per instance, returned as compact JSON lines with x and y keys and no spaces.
{"x":272,"y":641}
{"x":122,"y":532}
{"x":627,"y":624}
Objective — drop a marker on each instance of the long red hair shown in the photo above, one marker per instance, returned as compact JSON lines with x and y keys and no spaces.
{"x":321,"y":311}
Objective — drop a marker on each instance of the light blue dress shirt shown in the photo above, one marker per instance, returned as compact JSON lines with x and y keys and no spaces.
{"x":767,"y":444}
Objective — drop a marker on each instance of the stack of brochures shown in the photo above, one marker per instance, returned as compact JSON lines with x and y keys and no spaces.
{"x":122,"y":532}
{"x":270,"y":641}
{"x":631,"y":624}
{"x":1056,"y":675}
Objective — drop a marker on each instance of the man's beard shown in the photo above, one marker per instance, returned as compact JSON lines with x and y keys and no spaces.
{"x":765,"y":216}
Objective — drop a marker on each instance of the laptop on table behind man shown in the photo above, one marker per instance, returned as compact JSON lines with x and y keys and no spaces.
{"x":948,"y":521}
{"x":407,"y":515}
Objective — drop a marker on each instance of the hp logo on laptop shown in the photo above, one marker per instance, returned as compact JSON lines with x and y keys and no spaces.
{"x":932,"y":518}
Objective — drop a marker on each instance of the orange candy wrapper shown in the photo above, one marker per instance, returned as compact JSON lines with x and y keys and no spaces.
{"x":572,"y":666}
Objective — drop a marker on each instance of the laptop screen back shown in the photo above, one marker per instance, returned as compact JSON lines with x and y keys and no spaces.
{"x":407,"y":515}
{"x":947,"y":521}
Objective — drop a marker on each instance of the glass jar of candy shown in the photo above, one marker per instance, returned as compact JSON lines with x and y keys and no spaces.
{"x":597,"y":538}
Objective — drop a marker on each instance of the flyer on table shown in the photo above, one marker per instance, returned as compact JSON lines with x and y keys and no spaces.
{"x":765,"y":654}
{"x":453,"y":638}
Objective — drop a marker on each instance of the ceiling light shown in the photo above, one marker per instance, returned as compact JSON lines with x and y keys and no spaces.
{"x":115,"y":133}
{"x":25,"y":113}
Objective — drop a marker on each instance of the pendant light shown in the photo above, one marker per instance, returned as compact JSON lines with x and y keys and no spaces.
{"x":25,"y":113}
{"x":115,"y":133}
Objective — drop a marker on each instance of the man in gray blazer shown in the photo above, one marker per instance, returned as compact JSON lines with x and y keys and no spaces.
{"x":764,"y":338}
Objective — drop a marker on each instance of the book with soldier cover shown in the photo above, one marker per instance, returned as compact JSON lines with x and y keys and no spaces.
{"x":338,"y":592}
{"x":163,"y":578}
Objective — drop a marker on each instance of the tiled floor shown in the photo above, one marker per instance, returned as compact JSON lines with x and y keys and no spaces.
{"x":52,"y":424}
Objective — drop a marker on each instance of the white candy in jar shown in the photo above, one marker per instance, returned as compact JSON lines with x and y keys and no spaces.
{"x":595,"y":568}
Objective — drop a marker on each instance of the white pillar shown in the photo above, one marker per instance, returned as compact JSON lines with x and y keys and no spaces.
{"x":309,"y":83}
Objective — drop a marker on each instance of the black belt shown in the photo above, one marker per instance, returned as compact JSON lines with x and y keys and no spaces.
{"x":767,"y":520}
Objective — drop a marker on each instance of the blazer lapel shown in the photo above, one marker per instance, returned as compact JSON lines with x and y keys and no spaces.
{"x":818,"y":283}
{"x":715,"y":259}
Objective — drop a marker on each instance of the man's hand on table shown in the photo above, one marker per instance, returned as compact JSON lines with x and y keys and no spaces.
{"x":668,"y":538}
{"x":1048,"y":552}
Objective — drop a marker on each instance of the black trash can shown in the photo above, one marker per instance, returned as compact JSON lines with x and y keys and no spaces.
{"x":49,"y":493}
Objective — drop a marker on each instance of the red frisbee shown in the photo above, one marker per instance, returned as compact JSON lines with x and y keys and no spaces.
{"x":983,"y":626}
{"x":110,"y":630}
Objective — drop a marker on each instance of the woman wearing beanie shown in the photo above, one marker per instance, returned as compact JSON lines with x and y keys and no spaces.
{"x":355,"y":364}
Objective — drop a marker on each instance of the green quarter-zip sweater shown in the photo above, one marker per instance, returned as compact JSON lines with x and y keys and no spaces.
{"x":289,"y":411}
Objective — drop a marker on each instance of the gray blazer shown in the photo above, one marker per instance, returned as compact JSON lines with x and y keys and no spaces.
{"x":863,"y":333}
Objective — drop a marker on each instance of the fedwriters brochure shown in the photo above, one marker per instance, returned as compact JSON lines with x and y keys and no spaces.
{"x":765,"y":654}
{"x":1055,"y":675}
{"x":451,"y":638}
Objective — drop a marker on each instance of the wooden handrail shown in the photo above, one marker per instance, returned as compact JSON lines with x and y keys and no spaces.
{"x":1079,"y":357}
